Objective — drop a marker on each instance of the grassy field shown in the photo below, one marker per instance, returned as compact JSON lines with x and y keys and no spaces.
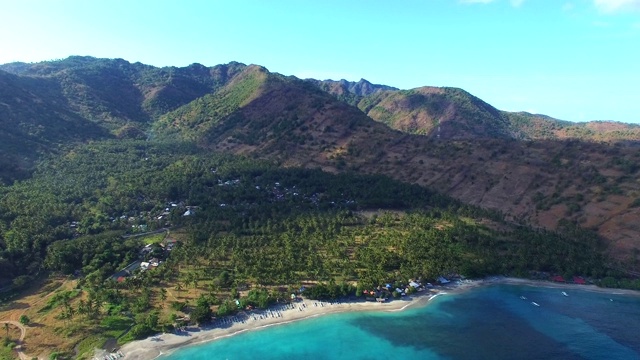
{"x":154,"y":238}
{"x":48,"y":332}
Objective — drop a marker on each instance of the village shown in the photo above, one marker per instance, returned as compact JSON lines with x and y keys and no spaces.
{"x":176,"y":212}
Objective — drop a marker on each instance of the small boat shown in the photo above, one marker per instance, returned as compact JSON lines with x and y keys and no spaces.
{"x":534,"y":303}
{"x":565,"y":294}
{"x":523,"y":297}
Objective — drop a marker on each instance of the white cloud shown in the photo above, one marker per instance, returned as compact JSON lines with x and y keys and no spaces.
{"x":568,"y":6}
{"x":517,"y":3}
{"x":611,"y":6}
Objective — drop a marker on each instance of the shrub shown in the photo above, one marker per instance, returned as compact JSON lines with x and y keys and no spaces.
{"x":140,"y":331}
{"x":178,"y":306}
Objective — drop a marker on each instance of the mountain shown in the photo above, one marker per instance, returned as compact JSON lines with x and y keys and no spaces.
{"x":50,"y":104}
{"x":36,"y":119}
{"x":534,"y":168}
{"x":114,"y":92}
{"x":452,"y":113}
{"x":271,"y":116}
{"x":348,"y":91}
{"x":446,"y":113}
{"x":535,"y":126}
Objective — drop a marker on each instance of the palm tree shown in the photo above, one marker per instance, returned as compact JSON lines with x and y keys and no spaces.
{"x":82,"y":307}
{"x":163,"y":295}
{"x":178,"y":288}
{"x":6,"y":328}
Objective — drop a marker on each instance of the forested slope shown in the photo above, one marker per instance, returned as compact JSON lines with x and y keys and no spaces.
{"x":531,"y":167}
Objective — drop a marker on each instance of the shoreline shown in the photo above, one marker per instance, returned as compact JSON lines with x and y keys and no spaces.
{"x":163,"y":344}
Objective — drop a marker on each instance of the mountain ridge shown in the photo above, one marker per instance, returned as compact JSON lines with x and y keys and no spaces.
{"x":534,"y":168}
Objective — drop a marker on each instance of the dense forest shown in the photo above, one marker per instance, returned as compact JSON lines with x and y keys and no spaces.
{"x":137,"y":186}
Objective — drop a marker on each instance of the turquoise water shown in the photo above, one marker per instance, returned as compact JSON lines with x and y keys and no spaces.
{"x":485,"y":323}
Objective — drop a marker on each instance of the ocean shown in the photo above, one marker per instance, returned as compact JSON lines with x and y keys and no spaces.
{"x":491,"y":322}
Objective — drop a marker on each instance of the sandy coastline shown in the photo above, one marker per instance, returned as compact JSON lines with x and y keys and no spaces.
{"x":155,"y":346}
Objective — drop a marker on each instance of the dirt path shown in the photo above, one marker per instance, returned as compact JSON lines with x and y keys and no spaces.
{"x":23,"y":333}
{"x":14,"y":315}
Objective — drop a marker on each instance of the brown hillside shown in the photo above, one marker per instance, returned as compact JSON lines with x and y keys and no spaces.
{"x":444,"y":113}
{"x":541,"y":182}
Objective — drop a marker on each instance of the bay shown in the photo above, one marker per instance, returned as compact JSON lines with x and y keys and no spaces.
{"x":490,"y":322}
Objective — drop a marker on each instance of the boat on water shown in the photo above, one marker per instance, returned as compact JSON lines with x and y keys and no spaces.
{"x":565,"y":294}
{"x":523,"y":297}
{"x":534,"y":303}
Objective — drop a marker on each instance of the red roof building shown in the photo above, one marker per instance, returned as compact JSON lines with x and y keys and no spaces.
{"x":557,"y":278}
{"x":579,"y":280}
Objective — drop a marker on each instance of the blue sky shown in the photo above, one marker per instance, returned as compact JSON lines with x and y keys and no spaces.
{"x":571,"y":59}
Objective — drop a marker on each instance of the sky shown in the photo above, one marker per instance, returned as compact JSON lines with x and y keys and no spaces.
{"x":575,"y":60}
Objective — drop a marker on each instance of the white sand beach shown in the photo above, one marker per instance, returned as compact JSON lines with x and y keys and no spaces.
{"x":155,"y":346}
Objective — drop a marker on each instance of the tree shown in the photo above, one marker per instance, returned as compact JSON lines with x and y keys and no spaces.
{"x":24,"y":320}
{"x":202,"y":313}
{"x":178,"y":287}
{"x":6,"y":328}
{"x":163,"y":295}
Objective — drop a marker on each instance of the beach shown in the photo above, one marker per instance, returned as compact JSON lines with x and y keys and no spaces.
{"x":156,"y":346}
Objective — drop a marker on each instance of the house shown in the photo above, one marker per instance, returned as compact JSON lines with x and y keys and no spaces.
{"x":579,"y":280}
{"x":169,"y":243}
{"x":557,"y":278}
{"x":145,"y":250}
